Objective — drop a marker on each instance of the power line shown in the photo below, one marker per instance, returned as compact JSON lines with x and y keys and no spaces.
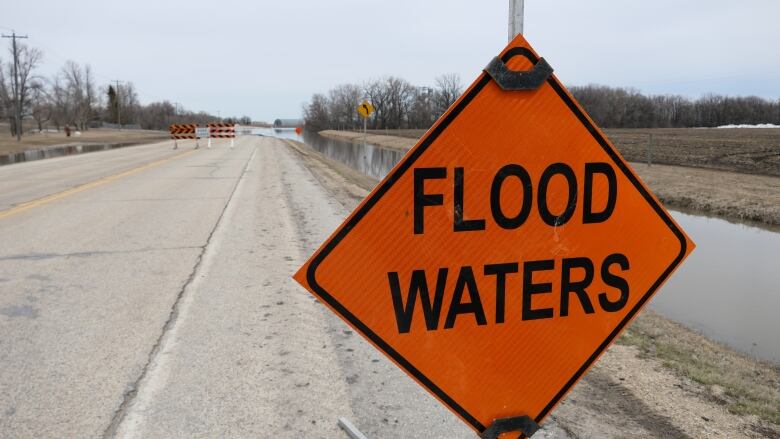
{"x":17,"y":94}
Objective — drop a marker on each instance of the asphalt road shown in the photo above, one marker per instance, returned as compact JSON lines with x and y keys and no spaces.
{"x":146,"y":292}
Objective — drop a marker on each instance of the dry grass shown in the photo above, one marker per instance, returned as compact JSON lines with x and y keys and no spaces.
{"x":746,"y":386}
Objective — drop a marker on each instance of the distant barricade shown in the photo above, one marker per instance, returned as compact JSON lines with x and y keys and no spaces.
{"x":183,"y":131}
{"x":222,"y":131}
{"x":211,"y":131}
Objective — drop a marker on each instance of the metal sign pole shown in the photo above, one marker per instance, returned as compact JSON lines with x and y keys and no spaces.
{"x":350,"y":429}
{"x":515,"y":18}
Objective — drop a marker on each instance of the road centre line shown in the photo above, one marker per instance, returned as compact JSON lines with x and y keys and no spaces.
{"x":86,"y":186}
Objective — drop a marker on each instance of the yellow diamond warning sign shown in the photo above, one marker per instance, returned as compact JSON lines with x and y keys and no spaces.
{"x":505,"y":252}
{"x":365,"y":109}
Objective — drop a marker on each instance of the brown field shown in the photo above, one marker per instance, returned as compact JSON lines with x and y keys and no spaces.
{"x":748,"y":150}
{"x":9,"y":144}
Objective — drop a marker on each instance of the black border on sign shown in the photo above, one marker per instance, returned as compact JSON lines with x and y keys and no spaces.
{"x":407,"y":163}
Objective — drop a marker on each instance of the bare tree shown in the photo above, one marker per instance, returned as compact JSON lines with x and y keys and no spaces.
{"x":40,"y":104}
{"x":128,"y":101}
{"x":399,"y":93}
{"x":343,"y":101}
{"x":15,"y":91}
{"x":6,"y":99}
{"x":422,"y":113}
{"x":448,"y":89}
{"x":80,"y":93}
{"x":316,"y":115}
{"x":60,"y":101}
{"x":376,"y":93}
{"x":155,"y":116}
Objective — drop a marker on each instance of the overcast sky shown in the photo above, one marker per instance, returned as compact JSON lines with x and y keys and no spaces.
{"x":265,"y":59}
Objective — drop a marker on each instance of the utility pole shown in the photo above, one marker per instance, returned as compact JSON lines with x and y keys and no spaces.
{"x":17,"y":94}
{"x":118,"y":104}
{"x":515,"y":18}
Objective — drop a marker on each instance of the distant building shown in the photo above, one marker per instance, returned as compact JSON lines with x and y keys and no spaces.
{"x":288,"y":123}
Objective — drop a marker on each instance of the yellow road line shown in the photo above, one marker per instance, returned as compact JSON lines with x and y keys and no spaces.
{"x":93,"y":184}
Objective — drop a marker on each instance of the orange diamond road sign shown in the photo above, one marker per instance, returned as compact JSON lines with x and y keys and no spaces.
{"x":505,"y":252}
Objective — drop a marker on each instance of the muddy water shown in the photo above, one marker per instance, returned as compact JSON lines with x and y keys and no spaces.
{"x":47,"y":153}
{"x":282,"y":133}
{"x":371,"y":160}
{"x":729,"y":288}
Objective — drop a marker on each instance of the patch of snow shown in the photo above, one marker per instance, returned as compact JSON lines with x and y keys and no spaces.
{"x":760,"y":125}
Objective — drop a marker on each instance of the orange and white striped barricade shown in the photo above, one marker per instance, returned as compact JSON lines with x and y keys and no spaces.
{"x":183,"y":131}
{"x":222,"y":131}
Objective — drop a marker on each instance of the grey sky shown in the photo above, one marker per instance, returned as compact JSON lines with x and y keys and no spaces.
{"x":264,"y":59}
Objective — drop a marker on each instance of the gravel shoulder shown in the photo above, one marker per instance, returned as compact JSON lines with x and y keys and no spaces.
{"x":659,"y":380}
{"x":733,"y":195}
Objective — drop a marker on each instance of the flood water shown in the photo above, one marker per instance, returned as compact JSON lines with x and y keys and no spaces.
{"x":47,"y":153}
{"x":728,"y":289}
{"x":371,"y":160}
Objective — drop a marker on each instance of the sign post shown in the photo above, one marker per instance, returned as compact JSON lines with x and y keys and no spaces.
{"x":364,"y":110}
{"x":504,"y":253}
{"x":515,"y":18}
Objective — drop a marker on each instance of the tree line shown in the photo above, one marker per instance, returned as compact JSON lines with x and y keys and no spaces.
{"x":72,"y":97}
{"x":397,"y":104}
{"x":400,"y":104}
{"x":615,"y":107}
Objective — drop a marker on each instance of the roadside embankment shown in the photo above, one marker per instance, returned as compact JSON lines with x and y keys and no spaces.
{"x":728,"y":194}
{"x":660,"y":380}
{"x":400,"y":143}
